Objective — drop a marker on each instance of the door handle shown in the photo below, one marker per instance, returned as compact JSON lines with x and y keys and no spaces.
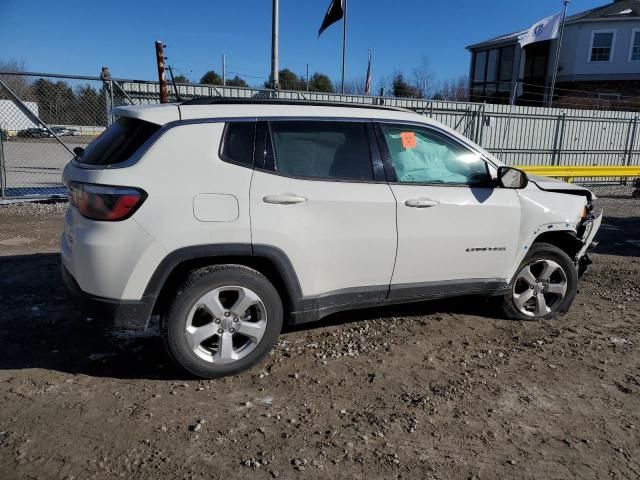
{"x":284,"y":199}
{"x":421,"y":203}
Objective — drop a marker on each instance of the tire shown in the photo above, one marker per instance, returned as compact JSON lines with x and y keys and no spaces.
{"x":208,"y":312}
{"x":542,"y":288}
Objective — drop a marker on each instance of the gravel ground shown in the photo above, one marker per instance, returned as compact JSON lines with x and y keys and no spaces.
{"x":435,"y":390}
{"x":33,"y":209}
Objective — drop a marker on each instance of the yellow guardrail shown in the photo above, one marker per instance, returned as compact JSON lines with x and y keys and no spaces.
{"x":571,"y":172}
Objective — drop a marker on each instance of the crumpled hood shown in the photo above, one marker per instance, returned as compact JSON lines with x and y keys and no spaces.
{"x":555,"y":185}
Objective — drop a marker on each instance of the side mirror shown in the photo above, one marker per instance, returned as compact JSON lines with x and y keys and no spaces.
{"x":78,"y":151}
{"x":509,"y":177}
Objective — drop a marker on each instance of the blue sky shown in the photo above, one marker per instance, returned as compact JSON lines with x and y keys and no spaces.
{"x":79,"y":37}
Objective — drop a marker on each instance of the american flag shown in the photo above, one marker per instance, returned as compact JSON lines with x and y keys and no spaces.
{"x":367,"y":85}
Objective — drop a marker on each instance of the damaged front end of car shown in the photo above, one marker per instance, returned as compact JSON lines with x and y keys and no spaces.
{"x":589,"y":224}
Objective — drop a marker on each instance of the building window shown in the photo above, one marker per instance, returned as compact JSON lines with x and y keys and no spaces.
{"x":635,"y":45}
{"x":492,"y":74}
{"x":480,"y":67}
{"x":602,"y":43}
{"x":506,"y":63}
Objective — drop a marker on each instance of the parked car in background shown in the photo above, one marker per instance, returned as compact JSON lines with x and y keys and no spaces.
{"x":65,"y":131}
{"x":59,"y":131}
{"x":36,"y":132}
{"x":289,"y":212}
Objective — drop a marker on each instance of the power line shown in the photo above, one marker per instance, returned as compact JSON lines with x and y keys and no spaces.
{"x":248,"y":76}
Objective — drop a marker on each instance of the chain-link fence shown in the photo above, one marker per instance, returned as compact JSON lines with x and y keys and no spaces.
{"x":43,"y":117}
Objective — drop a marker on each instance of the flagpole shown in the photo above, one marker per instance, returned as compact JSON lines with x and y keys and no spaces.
{"x":367,"y":81}
{"x":275,"y":81}
{"x":344,"y":44}
{"x":557,"y":64}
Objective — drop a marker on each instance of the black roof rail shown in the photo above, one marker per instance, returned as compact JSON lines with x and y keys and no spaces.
{"x":284,"y":101}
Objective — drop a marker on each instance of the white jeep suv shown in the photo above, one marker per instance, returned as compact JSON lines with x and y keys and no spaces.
{"x":227,"y":218}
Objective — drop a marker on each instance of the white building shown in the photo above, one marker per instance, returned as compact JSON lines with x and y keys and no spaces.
{"x":12,"y":118}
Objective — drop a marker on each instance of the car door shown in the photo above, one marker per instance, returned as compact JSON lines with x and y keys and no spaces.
{"x":456,"y":231}
{"x":315,"y":197}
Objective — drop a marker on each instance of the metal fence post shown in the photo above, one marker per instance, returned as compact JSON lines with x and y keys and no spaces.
{"x":2,"y":169}
{"x":559,"y":138}
{"x":562,"y":131}
{"x":479,"y":124}
{"x":632,"y":140}
{"x":482,"y":117}
{"x":111,"y":104}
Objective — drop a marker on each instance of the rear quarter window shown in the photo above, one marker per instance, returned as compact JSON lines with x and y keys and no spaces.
{"x":238,"y":143}
{"x":119,"y":142}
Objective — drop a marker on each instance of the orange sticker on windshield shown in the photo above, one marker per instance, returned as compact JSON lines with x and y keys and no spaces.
{"x":408,"y":140}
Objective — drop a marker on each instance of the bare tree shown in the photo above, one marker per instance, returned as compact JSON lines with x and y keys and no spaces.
{"x":454,"y":89}
{"x":383,"y":86}
{"x":355,"y":86}
{"x":424,"y":78}
{"x":17,"y":83}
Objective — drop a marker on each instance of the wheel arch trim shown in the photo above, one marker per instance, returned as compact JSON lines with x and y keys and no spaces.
{"x":564,"y":229}
{"x":233,"y":252}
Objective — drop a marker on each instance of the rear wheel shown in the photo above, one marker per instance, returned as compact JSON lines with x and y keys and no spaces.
{"x":224,"y":319}
{"x":544,"y":286}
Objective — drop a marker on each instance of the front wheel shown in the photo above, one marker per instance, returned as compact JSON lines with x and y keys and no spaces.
{"x":224,"y":319}
{"x":544,"y":286}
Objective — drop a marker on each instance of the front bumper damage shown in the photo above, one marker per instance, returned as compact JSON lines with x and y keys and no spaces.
{"x":587,"y":233}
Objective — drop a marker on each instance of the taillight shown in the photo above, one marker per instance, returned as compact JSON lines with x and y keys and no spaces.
{"x":105,"y":202}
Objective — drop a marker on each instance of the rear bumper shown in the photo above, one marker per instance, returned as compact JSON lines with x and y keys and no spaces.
{"x":120,"y":314}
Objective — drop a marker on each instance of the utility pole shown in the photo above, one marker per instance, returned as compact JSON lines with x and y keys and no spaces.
{"x":555,"y":69}
{"x":224,"y":70}
{"x":344,"y":44}
{"x":275,"y":80}
{"x":164,"y":89}
{"x":307,"y":77}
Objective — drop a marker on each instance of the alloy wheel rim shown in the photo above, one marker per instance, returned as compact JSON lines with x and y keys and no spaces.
{"x":226,"y":324}
{"x":539,"y":288}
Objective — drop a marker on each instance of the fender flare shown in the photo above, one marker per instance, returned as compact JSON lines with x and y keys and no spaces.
{"x":545,"y":229}
{"x":234,"y":252}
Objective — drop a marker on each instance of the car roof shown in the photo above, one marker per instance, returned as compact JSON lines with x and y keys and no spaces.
{"x":162,"y":114}
{"x":241,"y":108}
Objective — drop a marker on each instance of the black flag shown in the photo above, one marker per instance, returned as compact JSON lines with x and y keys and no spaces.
{"x":334,"y":14}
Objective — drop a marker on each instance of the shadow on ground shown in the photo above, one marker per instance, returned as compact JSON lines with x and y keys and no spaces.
{"x":619,"y":236}
{"x":40,"y":328}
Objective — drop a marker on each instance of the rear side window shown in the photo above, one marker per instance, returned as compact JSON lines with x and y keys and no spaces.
{"x":322,"y":150}
{"x":119,"y":142}
{"x":237,"y":143}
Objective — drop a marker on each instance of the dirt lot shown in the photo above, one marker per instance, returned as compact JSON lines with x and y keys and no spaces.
{"x":436,"y":390}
